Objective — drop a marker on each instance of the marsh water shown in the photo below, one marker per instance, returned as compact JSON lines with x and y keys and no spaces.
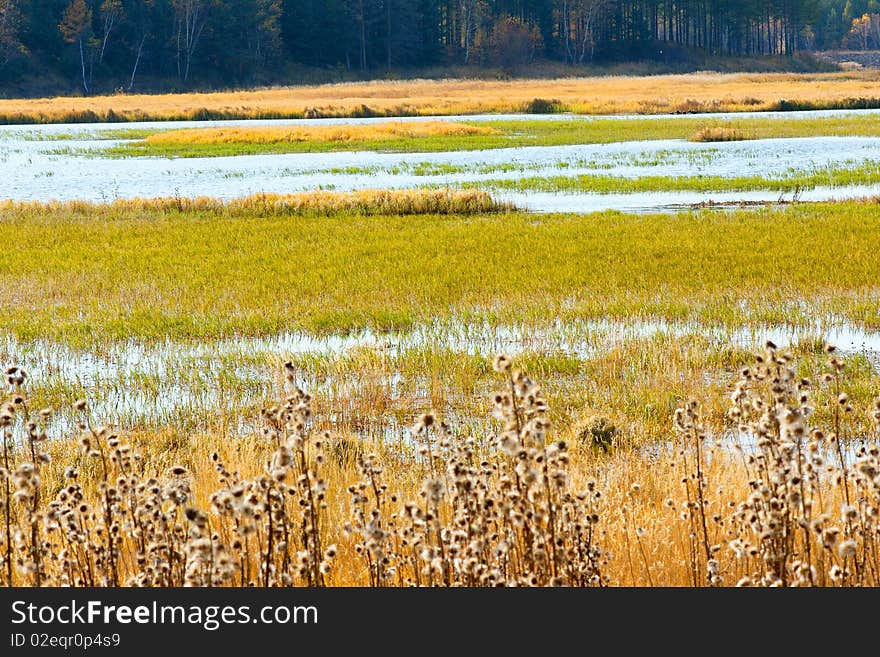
{"x":63,"y":162}
{"x":197,"y":384}
{"x":138,"y":384}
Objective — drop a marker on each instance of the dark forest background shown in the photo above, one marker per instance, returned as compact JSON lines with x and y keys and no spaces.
{"x":89,"y":46}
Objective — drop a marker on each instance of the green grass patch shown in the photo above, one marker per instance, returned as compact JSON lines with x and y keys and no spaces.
{"x":836,"y":176}
{"x":79,"y":135}
{"x":98,"y":273}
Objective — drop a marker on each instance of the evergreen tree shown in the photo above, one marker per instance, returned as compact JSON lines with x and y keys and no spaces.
{"x":117,"y":43}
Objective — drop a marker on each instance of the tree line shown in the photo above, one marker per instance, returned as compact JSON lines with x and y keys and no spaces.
{"x":117,"y":44}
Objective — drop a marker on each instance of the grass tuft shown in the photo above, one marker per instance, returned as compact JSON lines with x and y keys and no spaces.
{"x":367,"y":202}
{"x":718,"y":133}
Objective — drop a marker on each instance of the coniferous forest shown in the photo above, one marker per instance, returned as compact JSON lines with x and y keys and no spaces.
{"x":91,"y":46}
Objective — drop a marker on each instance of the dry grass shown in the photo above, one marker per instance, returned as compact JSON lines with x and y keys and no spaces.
{"x":332,"y":133}
{"x":602,"y":95}
{"x":779,"y":499}
{"x":718,"y":133}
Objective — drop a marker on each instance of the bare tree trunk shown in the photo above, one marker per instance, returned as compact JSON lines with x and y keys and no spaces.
{"x":103,"y":47}
{"x":566,"y":31}
{"x":191,"y":20}
{"x":466,"y":18}
{"x":109,"y":24}
{"x":137,"y":60}
{"x":82,"y":63}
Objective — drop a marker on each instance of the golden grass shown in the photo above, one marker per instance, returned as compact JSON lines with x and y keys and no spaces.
{"x":598,"y":95}
{"x":332,"y":133}
{"x":718,"y":133}
{"x":780,"y":498}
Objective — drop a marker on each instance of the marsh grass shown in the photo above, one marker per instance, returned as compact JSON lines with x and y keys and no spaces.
{"x":365,"y":202}
{"x":84,"y":273}
{"x":629,"y":376}
{"x":26,"y":134}
{"x":718,"y":133}
{"x":366,"y":268}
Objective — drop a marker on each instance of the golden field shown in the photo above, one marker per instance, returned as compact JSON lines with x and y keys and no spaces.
{"x":599,"y":95}
{"x":333,"y":133}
